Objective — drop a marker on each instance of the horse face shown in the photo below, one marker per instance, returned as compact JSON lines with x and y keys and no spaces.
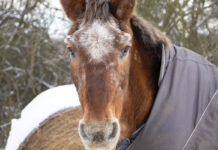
{"x":100,"y":54}
{"x":100,"y":46}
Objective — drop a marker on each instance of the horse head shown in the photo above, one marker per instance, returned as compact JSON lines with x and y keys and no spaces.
{"x":100,"y":42}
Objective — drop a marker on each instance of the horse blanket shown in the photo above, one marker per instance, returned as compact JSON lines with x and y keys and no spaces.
{"x":185,"y":112}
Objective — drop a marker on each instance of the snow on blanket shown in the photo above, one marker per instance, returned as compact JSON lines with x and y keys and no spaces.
{"x":39,"y":109}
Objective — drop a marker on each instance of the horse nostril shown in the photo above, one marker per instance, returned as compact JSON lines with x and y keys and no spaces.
{"x":82,"y":132}
{"x":98,"y":137}
{"x":114,"y":131}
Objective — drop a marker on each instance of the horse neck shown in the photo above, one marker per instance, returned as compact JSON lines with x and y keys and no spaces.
{"x":143,"y":84}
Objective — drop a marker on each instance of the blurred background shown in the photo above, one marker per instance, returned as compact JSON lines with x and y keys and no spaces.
{"x":33,"y":56}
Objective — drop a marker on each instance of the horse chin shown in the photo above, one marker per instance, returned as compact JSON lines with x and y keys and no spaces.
{"x":105,"y":146}
{"x":111,"y":145}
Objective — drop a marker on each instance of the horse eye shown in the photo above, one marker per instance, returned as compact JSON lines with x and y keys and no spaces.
{"x":71,"y":50}
{"x":124,"y":52}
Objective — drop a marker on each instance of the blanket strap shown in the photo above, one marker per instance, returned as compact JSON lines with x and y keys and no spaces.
{"x":128,"y":141}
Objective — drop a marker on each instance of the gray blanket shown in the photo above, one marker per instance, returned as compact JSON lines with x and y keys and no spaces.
{"x":185,"y":112}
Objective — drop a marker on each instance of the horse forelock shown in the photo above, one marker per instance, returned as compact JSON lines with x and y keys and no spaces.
{"x":97,"y":9}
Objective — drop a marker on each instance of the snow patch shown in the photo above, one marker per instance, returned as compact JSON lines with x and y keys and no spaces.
{"x":38,"y":110}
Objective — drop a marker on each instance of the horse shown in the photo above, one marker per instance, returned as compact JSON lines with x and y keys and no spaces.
{"x":115,"y":65}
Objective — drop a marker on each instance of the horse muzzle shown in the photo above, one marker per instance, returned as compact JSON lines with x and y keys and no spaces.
{"x":99,"y":134}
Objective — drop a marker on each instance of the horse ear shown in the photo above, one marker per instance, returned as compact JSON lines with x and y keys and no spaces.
{"x":74,"y":9}
{"x":122,"y":9}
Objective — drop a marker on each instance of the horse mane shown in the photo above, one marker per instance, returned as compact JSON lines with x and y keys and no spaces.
{"x":148,"y":36}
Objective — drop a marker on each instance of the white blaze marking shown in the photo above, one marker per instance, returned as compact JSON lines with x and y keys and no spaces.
{"x":97,"y":40}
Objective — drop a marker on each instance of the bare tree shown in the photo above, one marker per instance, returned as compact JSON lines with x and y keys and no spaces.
{"x":189,"y":23}
{"x":30,"y":61}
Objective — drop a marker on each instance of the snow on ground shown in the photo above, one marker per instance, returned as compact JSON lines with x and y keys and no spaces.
{"x":40,"y":108}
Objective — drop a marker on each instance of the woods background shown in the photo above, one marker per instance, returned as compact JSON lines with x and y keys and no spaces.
{"x":33,"y":57}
